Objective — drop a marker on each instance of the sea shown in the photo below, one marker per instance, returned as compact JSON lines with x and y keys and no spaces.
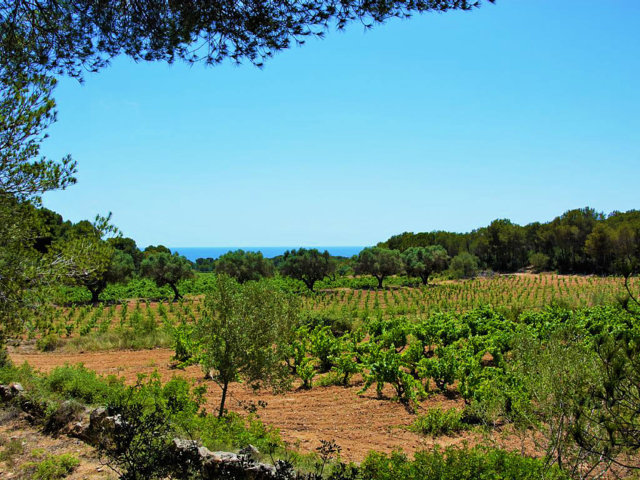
{"x":193,"y":253}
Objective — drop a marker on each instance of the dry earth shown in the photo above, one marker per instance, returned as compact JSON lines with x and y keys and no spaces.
{"x":358,"y":423}
{"x":35,"y":446}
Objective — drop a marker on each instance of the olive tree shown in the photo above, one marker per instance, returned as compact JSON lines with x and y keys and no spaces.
{"x":241,"y":334}
{"x":308,"y":265}
{"x":379,"y":262}
{"x":244,"y":266}
{"x":93,"y":263}
{"x":166,"y":269}
{"x":423,"y":261}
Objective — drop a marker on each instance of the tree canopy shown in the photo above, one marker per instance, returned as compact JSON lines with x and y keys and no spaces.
{"x":308,"y":265}
{"x":578,"y":241}
{"x":244,"y":266}
{"x":57,"y":36}
{"x":423,"y":261}
{"x":241,"y":332}
{"x":379,"y":262}
{"x":166,"y":269}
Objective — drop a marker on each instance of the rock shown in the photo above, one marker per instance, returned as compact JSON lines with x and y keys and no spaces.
{"x":224,"y":457}
{"x":17,"y":388}
{"x":68,"y":412}
{"x":101,"y":424}
{"x":8,"y":392}
{"x":185,"y":445}
{"x":5,"y":393}
{"x":251,"y":453}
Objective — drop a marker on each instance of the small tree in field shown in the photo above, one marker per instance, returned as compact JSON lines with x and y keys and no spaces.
{"x":244,"y":266}
{"x":119,"y":269}
{"x":309,"y":266}
{"x":241,"y":334}
{"x":423,"y":261}
{"x":166,"y":269}
{"x":379,"y":262}
{"x":91,"y":261}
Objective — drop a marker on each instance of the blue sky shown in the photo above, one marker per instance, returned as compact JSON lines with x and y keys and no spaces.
{"x":520,"y":110}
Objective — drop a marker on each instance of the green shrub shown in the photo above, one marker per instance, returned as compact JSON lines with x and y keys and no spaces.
{"x":53,"y":467}
{"x":440,"y":422}
{"x":9,"y":450}
{"x":457,"y":464}
{"x":121,"y":338}
{"x":49,"y":343}
{"x":79,"y":383}
{"x":464,"y":265}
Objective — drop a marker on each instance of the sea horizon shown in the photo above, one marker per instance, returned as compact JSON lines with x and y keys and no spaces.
{"x":193,"y":253}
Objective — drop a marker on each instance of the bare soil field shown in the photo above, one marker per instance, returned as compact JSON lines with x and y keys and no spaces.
{"x":358,"y":423}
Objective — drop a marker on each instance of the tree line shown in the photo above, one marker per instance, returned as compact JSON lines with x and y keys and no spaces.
{"x":580,"y":241}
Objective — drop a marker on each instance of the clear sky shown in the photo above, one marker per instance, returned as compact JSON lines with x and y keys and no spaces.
{"x":520,"y":110}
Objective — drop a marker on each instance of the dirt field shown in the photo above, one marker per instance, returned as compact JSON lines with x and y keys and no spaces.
{"x":357,"y":423}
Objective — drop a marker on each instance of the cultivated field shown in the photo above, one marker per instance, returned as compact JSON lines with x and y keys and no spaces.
{"x":137,"y":337}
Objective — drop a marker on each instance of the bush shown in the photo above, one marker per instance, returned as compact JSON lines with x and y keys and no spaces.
{"x":539,"y":261}
{"x":440,"y":422}
{"x":49,"y":343}
{"x":457,"y":464}
{"x":464,"y":265}
{"x":82,"y":384}
{"x":53,"y":467}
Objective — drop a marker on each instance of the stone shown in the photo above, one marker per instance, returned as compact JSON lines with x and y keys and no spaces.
{"x":250,"y":452}
{"x":17,"y":388}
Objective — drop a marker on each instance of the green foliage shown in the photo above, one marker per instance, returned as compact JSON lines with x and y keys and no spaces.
{"x":77,"y":382}
{"x":138,"y":446}
{"x":539,"y":261}
{"x":26,"y":110}
{"x":10,"y":450}
{"x":464,"y":265}
{"x":424,"y":261}
{"x":244,"y":266}
{"x":92,"y":262}
{"x":324,"y":346}
{"x":49,"y":343}
{"x":306,"y":370}
{"x":120,"y":338}
{"x":53,"y":467}
{"x":379,"y":262}
{"x":437,"y":421}
{"x":456,"y":464}
{"x":345,"y":366}
{"x":442,"y":368}
{"x":388,"y":367}
{"x":307,"y":265}
{"x":242,"y":333}
{"x":166,"y":269}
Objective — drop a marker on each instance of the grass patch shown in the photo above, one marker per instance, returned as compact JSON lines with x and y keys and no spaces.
{"x":440,"y":422}
{"x":53,"y":467}
{"x":120,"y":339}
{"x":10,"y":449}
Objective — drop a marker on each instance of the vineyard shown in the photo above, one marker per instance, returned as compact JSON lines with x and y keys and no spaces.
{"x":510,"y":292}
{"x":509,"y":360}
{"x":150,"y":323}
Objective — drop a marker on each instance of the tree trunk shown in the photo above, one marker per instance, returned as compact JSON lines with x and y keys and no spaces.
{"x":425,"y":279}
{"x":308,"y":283}
{"x":95,"y":293}
{"x":223,"y":399}
{"x":176,"y":294}
{"x":380,"y":279}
